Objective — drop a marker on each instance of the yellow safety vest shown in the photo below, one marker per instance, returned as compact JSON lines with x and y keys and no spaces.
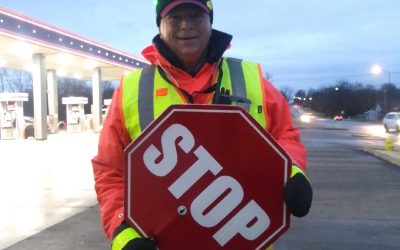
{"x":141,"y":104}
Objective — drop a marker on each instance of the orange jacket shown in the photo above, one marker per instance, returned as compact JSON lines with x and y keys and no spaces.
{"x":108,"y":165}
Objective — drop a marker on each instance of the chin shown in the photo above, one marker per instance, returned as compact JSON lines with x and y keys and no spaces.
{"x":190,"y":52}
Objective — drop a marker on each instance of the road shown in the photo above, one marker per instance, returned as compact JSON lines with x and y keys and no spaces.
{"x":356,"y":198}
{"x":371,"y":129}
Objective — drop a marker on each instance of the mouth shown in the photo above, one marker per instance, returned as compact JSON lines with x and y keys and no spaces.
{"x":187,"y":38}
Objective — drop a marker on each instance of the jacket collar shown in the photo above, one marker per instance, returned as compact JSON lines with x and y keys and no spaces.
{"x":160,"y":54}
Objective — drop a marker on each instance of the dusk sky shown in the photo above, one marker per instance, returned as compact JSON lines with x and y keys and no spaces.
{"x":302,"y":43}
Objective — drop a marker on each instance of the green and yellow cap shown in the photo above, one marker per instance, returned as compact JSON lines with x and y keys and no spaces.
{"x":163,"y":7}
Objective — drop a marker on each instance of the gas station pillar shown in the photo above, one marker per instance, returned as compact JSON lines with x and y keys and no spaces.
{"x":52,"y":95}
{"x":39,"y":96}
{"x":97,"y":100}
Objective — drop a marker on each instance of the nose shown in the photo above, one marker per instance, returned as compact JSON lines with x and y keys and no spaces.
{"x":186,"y":23}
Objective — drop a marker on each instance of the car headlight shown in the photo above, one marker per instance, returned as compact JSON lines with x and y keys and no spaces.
{"x":305,"y":118}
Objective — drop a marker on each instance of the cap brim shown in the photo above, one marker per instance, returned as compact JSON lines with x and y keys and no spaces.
{"x":172,"y":5}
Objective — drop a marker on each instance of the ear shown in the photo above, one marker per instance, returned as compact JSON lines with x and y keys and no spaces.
{"x":160,"y":28}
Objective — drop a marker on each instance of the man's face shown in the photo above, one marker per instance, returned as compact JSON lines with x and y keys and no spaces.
{"x":186,"y":30}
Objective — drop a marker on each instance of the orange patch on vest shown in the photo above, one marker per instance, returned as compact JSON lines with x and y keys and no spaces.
{"x":162,"y":92}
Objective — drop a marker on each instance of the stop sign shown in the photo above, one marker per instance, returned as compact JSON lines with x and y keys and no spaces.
{"x":206,"y":177}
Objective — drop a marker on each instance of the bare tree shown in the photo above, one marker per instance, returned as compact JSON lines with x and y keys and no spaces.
{"x":287,"y":92}
{"x":3,"y":77}
{"x":108,"y":89}
{"x":268,"y":76}
{"x":12,"y":80}
{"x":22,"y":81}
{"x":73,"y":87}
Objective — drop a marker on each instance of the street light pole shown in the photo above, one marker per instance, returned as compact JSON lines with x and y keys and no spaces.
{"x":377,"y":70}
{"x":384,"y":98}
{"x":385,"y":89}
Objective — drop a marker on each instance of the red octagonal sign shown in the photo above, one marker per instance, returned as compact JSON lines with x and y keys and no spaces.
{"x":206,"y":177}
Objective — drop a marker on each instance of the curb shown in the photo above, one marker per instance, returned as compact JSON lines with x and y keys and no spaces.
{"x":392,"y":157}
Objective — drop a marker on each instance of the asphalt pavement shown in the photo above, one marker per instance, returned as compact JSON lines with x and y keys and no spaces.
{"x":356,"y":195}
{"x":83,"y":231}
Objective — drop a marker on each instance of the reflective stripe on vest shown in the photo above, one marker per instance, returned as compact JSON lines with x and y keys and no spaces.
{"x":245,"y":80}
{"x":146,"y":96}
{"x":141,"y":105}
{"x":120,"y":241}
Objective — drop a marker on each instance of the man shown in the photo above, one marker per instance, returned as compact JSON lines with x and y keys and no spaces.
{"x":187,"y":67}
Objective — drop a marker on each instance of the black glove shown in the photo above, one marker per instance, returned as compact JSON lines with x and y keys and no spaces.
{"x":298,"y":195}
{"x":141,"y":244}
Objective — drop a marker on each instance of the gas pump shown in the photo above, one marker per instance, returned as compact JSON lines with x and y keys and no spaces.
{"x":75,"y":113}
{"x":107,"y":103}
{"x":12,"y":115}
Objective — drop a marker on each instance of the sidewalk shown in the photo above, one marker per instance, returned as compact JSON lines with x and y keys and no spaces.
{"x":42,"y":183}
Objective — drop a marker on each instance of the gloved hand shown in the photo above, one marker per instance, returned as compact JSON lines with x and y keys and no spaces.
{"x":298,"y":195}
{"x":141,"y":244}
{"x":126,"y":238}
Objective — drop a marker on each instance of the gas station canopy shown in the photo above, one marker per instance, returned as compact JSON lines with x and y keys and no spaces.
{"x":68,"y":54}
{"x":49,"y":53}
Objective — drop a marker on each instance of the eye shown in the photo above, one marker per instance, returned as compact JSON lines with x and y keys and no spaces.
{"x":197,"y":16}
{"x":174,"y":18}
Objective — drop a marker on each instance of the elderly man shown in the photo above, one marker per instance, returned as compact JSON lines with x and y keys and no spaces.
{"x":187,"y":67}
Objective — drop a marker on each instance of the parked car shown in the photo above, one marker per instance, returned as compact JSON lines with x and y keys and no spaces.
{"x":338,"y":118}
{"x":29,"y":127}
{"x":392,"y":121}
